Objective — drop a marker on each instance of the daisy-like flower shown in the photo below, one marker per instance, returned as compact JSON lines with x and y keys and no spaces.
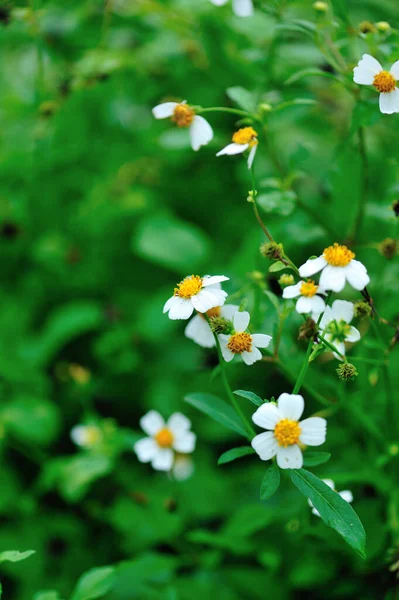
{"x":242,"y":8}
{"x":165,"y":439}
{"x":370,"y":72}
{"x":338,"y":266}
{"x":198,"y":329}
{"x":184,"y":115}
{"x":195,"y":292}
{"x":308,"y":302}
{"x":243,"y":139}
{"x":345,"y":494}
{"x":241,"y":342}
{"x":335,"y":325}
{"x":86,"y":436}
{"x":286,"y":431}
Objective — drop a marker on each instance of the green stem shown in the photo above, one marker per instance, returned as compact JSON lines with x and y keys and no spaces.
{"x":358,"y":222}
{"x":309,"y":389}
{"x":233,"y":111}
{"x":332,"y":347}
{"x":304,"y":368}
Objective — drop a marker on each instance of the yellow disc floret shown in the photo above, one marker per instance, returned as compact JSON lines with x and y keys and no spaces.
{"x":246,"y":135}
{"x":239,"y":343}
{"x":308,"y":288}
{"x":338,"y":256}
{"x":164,"y":438}
{"x":384,"y":82}
{"x":183,"y":115}
{"x":92,"y":435}
{"x":189,"y":287}
{"x":287,"y":432}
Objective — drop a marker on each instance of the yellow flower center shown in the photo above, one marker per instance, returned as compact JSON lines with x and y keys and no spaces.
{"x":338,"y":256}
{"x":212,"y":312}
{"x":308,"y":288}
{"x":164,"y":438}
{"x":183,"y":115}
{"x":384,"y":82}
{"x":240,"y":342}
{"x":92,"y":435}
{"x":287,"y":432}
{"x":190,"y":286}
{"x":246,"y":135}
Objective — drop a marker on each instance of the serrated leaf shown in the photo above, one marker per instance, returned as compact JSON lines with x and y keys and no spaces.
{"x":277,"y":266}
{"x":334,"y":510}
{"x":243,"y":98}
{"x":254,"y":398}
{"x":313,"y":459}
{"x":235,"y":453}
{"x":94,"y":584}
{"x":270,"y":482}
{"x":217,"y":409}
{"x":15,"y":555}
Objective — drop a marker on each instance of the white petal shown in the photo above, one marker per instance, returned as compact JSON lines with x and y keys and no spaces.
{"x":312,"y":266}
{"x":201,"y":132}
{"x":292,"y":291}
{"x":366,"y":69}
{"x":318,"y":305}
{"x":340,"y":346}
{"x":241,"y":320}
{"x":213,"y":280}
{"x":389,"y":102}
{"x":163,"y":459}
{"x":178,"y":423}
{"x":356,"y":275}
{"x":346,"y":495}
{"x":313,"y":431}
{"x":290,"y":457}
{"x":182,"y":310}
{"x":219,"y":2}
{"x":267,"y":416}
{"x":265,"y":445}
{"x":333,"y":278}
{"x":228,"y":310}
{"x":303,"y":305}
{"x":218,"y":297}
{"x":185,"y":442}
{"x":342,"y":310}
{"x":251,"y":155}
{"x":171,"y":302}
{"x":261,"y":340}
{"x":326,"y":318}
{"x":204,"y":300}
{"x":227,"y":354}
{"x":243,"y":8}
{"x":183,"y":468}
{"x":251,"y":357}
{"x":165,"y":110}
{"x":330,"y":483}
{"x":198,"y":330}
{"x":152,"y":422}
{"x":353,"y":335}
{"x":145,"y":449}
{"x":291,"y":406}
{"x":231,"y":149}
{"x":395,"y":69}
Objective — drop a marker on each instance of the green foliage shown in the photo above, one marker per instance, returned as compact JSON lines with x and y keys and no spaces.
{"x":270,"y":482}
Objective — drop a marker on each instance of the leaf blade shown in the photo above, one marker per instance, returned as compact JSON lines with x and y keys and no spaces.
{"x":235,"y":453}
{"x":270,"y":482}
{"x":251,"y":396}
{"x":217,"y":409}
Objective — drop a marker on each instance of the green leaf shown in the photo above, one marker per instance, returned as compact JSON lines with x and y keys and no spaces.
{"x":15,"y":555}
{"x":47,"y":595}
{"x":235,"y":453}
{"x":334,"y":510}
{"x":277,"y":266}
{"x":32,"y":420}
{"x":254,"y":398}
{"x":94,"y":584}
{"x":243,"y":98}
{"x":270,"y":482}
{"x":280,"y":202}
{"x":217,"y":409}
{"x":313,"y":459}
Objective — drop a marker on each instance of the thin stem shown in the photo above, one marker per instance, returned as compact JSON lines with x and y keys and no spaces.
{"x":358,"y":222}
{"x":233,"y":111}
{"x":332,"y":347}
{"x":309,"y":389}
{"x":304,"y":368}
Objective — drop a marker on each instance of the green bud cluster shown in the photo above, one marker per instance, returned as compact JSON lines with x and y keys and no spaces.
{"x":347,"y":372}
{"x":362,"y":309}
{"x":221,"y":325}
{"x":272,"y":250}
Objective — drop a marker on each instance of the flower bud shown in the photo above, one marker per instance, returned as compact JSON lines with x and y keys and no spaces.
{"x":320,"y":6}
{"x":362,"y":309}
{"x":367,"y":27}
{"x":286,"y":279}
{"x":383,"y":26}
{"x":272,"y":250}
{"x":265,"y":108}
{"x":388,"y":248}
{"x":308,"y":330}
{"x":347,"y":372}
{"x":220,"y":325}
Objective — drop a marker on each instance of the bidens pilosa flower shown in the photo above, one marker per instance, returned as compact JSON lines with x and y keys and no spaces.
{"x":308,"y":302}
{"x":198,"y":328}
{"x":195,"y":292}
{"x":243,"y":139}
{"x":287,"y":432}
{"x":370,"y":72}
{"x":345,"y":494}
{"x":164,"y":440}
{"x":86,"y":436}
{"x":183,"y":115}
{"x":242,"y":8}
{"x":335,"y":325}
{"x":240,"y":342}
{"x":337,"y":265}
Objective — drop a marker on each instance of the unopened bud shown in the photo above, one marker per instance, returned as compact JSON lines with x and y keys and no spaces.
{"x":286,"y":279}
{"x":265,"y":108}
{"x":388,"y":248}
{"x":320,"y":6}
{"x":362,"y":309}
{"x":272,"y":250}
{"x":220,"y":325}
{"x":367,"y":27}
{"x":308,"y":330}
{"x":383,"y":26}
{"x":251,"y":196}
{"x":347,"y":372}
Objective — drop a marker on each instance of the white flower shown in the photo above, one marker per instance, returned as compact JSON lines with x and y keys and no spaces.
{"x":370,"y":72}
{"x":241,"y":342}
{"x":195,"y":292}
{"x":335,"y":326}
{"x":308,"y":301}
{"x":183,"y":467}
{"x":337,"y":265}
{"x":164,"y":440}
{"x":243,"y":139}
{"x":242,"y":8}
{"x":86,"y":436}
{"x":287,"y":432}
{"x":198,"y":329}
{"x":345,"y":494}
{"x":183,"y":115}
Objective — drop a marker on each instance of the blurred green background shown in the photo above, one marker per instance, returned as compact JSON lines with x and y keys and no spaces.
{"x":102,"y":210}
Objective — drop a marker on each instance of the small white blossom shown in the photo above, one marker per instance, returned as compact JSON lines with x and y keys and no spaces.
{"x":86,"y":436}
{"x":286,"y":431}
{"x":345,"y":494}
{"x":244,"y":139}
{"x":242,"y":8}
{"x":195,"y":293}
{"x":241,"y":342}
{"x":308,"y":302}
{"x":335,"y":326}
{"x":370,"y":72}
{"x":183,"y":115}
{"x":164,"y":440}
{"x":198,"y":329}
